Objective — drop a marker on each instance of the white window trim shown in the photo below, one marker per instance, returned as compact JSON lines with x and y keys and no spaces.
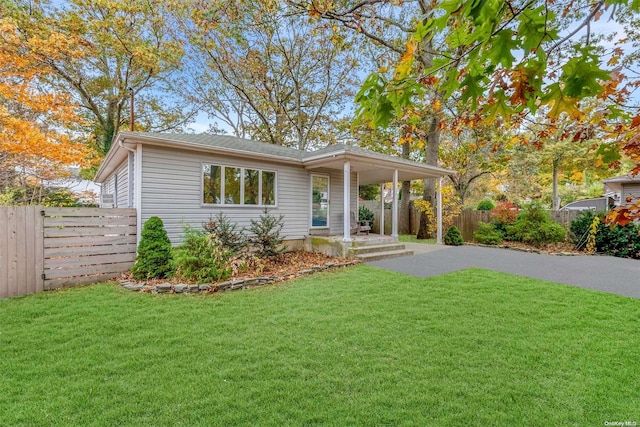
{"x":320,"y":227}
{"x":223,"y":168}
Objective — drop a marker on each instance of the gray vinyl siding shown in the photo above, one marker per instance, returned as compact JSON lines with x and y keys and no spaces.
{"x":630,"y":190}
{"x":172,"y":190}
{"x":336,"y":199}
{"x":109,"y":186}
{"x":122,"y":192}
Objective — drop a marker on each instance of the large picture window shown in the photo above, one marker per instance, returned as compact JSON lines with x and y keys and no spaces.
{"x":228,"y":185}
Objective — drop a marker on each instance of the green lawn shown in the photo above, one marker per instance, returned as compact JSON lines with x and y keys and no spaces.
{"x":410,"y":238}
{"x":360,"y":346}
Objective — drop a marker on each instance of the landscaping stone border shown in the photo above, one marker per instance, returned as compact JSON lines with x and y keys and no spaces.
{"x":527,"y":250}
{"x":229,"y":285}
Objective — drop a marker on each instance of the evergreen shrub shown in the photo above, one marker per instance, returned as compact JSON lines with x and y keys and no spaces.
{"x":202,"y":258}
{"x":453,"y":237}
{"x":485,"y":205}
{"x":487,"y":234}
{"x":265,"y":235}
{"x":154,"y":260}
{"x":227,"y":233}
{"x":535,"y":227}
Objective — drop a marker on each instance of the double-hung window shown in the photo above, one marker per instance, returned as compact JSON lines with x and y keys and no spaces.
{"x":230,"y":185}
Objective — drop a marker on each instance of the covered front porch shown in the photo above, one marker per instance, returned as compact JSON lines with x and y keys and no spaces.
{"x":365,"y":167}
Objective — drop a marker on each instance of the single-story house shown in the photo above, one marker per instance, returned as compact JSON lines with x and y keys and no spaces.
{"x":622,"y":187}
{"x":187,"y":178}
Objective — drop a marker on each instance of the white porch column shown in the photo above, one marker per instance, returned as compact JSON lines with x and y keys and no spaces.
{"x":358,"y":196}
{"x":439,"y":211}
{"x":382,"y":209}
{"x":394,"y":214}
{"x":347,"y":202}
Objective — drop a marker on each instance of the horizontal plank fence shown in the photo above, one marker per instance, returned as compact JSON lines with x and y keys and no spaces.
{"x":48,"y":248}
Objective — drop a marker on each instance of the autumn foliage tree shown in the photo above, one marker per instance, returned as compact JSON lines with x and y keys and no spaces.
{"x":269,"y":76}
{"x":96,"y":53}
{"x":37,"y":141}
{"x":503,"y":59}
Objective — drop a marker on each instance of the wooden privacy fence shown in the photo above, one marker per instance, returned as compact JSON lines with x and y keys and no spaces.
{"x":47,"y":248}
{"x":467,"y":221}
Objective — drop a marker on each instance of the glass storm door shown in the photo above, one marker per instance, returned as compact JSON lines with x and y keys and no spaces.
{"x":319,"y":201}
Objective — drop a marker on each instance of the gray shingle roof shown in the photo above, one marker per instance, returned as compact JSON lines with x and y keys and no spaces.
{"x":229,"y":142}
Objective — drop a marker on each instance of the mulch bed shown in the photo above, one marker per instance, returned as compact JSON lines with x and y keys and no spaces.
{"x":283,"y":267}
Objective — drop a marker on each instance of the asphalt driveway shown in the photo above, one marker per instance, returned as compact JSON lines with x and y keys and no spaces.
{"x":604,"y":273}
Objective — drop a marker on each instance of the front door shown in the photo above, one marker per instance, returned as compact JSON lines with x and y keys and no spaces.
{"x":319,"y":201}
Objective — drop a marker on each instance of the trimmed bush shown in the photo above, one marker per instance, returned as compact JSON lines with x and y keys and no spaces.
{"x":503,"y":215}
{"x":617,"y":241}
{"x":487,"y":234}
{"x":485,"y":205}
{"x":453,"y":237}
{"x":154,"y":260}
{"x":226,"y":232}
{"x":535,"y":227}
{"x":266,"y":235}
{"x":202,"y":258}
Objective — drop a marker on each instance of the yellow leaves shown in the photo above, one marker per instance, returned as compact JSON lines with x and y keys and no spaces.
{"x":403,"y":69}
{"x":591,"y":238}
{"x":451,"y":208}
{"x":577,"y":177}
{"x":599,"y":163}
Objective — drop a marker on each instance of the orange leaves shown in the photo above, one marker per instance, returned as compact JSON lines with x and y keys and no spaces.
{"x":522,"y":85}
{"x":32,"y":117}
{"x":403,"y":69}
{"x":623,"y":215}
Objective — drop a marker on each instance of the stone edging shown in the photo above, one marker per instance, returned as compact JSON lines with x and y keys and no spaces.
{"x":527,"y":250}
{"x":229,"y":285}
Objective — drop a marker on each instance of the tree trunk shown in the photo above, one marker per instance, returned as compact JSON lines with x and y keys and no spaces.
{"x":554,"y":191}
{"x":404,"y":213}
{"x":433,"y":139}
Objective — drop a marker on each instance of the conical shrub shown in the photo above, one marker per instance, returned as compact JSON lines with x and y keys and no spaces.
{"x":154,"y":260}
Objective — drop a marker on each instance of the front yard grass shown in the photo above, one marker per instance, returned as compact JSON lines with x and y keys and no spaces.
{"x":361,"y":346}
{"x":410,"y":238}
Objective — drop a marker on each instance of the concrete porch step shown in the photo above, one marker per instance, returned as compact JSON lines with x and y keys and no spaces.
{"x":367,"y":249}
{"x":376,"y":256}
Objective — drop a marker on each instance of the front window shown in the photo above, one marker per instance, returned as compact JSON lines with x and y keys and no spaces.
{"x":229,"y":185}
{"x":251,"y":186}
{"x":268,"y":188}
{"x":212,"y":188}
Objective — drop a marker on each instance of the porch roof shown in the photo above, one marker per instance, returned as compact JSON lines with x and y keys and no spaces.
{"x":372,"y":167}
